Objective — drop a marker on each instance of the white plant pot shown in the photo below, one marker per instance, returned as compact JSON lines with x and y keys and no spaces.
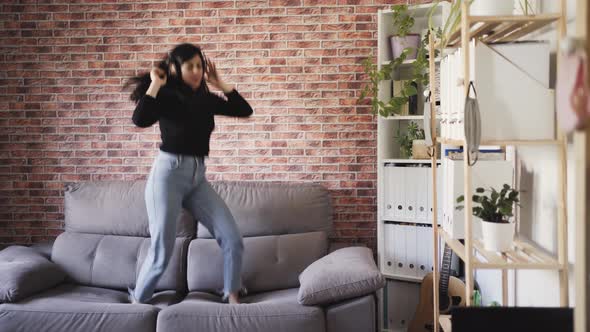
{"x":491,"y":7}
{"x":497,"y":236}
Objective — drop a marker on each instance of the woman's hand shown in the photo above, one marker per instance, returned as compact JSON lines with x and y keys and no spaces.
{"x":213,"y":78}
{"x":158,"y":76}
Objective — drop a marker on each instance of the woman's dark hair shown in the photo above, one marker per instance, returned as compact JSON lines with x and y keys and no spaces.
{"x":176,"y":57}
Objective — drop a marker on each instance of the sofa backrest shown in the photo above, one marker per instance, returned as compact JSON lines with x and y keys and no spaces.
{"x":113,"y":261}
{"x":285,"y":228}
{"x":107,"y":236}
{"x":113,"y":208}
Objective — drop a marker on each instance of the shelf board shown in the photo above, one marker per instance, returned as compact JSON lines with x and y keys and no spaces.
{"x":415,"y":10}
{"x":524,"y":255}
{"x":501,"y":29}
{"x":407,"y":62}
{"x":501,"y":142}
{"x":457,"y":247}
{"x":404,"y":117}
{"x":408,"y":161}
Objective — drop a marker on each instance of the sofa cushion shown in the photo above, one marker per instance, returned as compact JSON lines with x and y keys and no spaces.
{"x":114,"y":261}
{"x":269,"y":262}
{"x":270,"y":311}
{"x":73,"y":308}
{"x":263,"y":208}
{"x":113,"y":208}
{"x":343,"y":274}
{"x":24,"y":271}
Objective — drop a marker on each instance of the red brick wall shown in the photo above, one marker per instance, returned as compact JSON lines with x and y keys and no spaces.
{"x":64,"y":116}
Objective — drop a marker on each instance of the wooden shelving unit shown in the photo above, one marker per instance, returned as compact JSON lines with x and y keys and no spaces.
{"x":502,"y":29}
{"x":504,"y":143}
{"x":525,"y":255}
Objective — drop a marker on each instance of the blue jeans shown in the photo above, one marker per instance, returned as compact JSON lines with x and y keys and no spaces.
{"x":178,"y":181}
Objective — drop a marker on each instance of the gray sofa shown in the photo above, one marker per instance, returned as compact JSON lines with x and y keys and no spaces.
{"x":81,"y":283}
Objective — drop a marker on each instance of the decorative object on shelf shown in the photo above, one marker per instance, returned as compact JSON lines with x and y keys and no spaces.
{"x":413,"y":101}
{"x":420,"y":150}
{"x":403,"y":39}
{"x":398,"y":86}
{"x":406,"y":140}
{"x":419,"y":74}
{"x":472,"y":124}
{"x":495,"y":211}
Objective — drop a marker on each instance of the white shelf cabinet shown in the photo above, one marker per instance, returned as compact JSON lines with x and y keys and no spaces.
{"x":388,"y":152}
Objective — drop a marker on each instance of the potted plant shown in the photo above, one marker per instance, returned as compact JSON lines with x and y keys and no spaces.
{"x":419,"y":77}
{"x":402,"y":39}
{"x":495,"y":211}
{"x":412,"y":143}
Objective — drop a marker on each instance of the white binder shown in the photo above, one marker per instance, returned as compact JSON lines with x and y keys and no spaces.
{"x":440,"y":194}
{"x":399,"y":196}
{"x":410,"y":189}
{"x":429,"y":200}
{"x":389,"y":192}
{"x":423,"y":193}
{"x":400,"y":250}
{"x":411,"y":265}
{"x":424,"y":237}
{"x":389,"y":248}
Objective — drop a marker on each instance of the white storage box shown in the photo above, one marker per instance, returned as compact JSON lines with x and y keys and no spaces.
{"x":513,"y":92}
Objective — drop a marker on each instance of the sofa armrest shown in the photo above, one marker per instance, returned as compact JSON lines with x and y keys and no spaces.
{"x":343,"y":274}
{"x":44,"y":248}
{"x":25,"y":272}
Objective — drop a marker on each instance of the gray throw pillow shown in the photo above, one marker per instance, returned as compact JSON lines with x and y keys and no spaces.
{"x":343,"y":274}
{"x":26,"y":272}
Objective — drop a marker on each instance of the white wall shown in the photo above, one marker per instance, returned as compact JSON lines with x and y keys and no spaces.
{"x":539,"y":216}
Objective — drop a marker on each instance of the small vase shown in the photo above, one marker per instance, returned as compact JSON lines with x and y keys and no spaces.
{"x":398,"y":44}
{"x":497,"y":236}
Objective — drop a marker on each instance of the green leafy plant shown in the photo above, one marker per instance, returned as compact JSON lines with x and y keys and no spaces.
{"x":405,"y":140}
{"x":402,"y":20}
{"x":450,"y":25}
{"x":403,"y":23}
{"x":496,"y":207}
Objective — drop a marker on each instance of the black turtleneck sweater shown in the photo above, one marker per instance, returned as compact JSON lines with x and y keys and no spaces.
{"x":186,"y":117}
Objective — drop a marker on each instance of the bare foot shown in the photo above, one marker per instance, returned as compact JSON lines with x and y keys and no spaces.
{"x":233,"y":298}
